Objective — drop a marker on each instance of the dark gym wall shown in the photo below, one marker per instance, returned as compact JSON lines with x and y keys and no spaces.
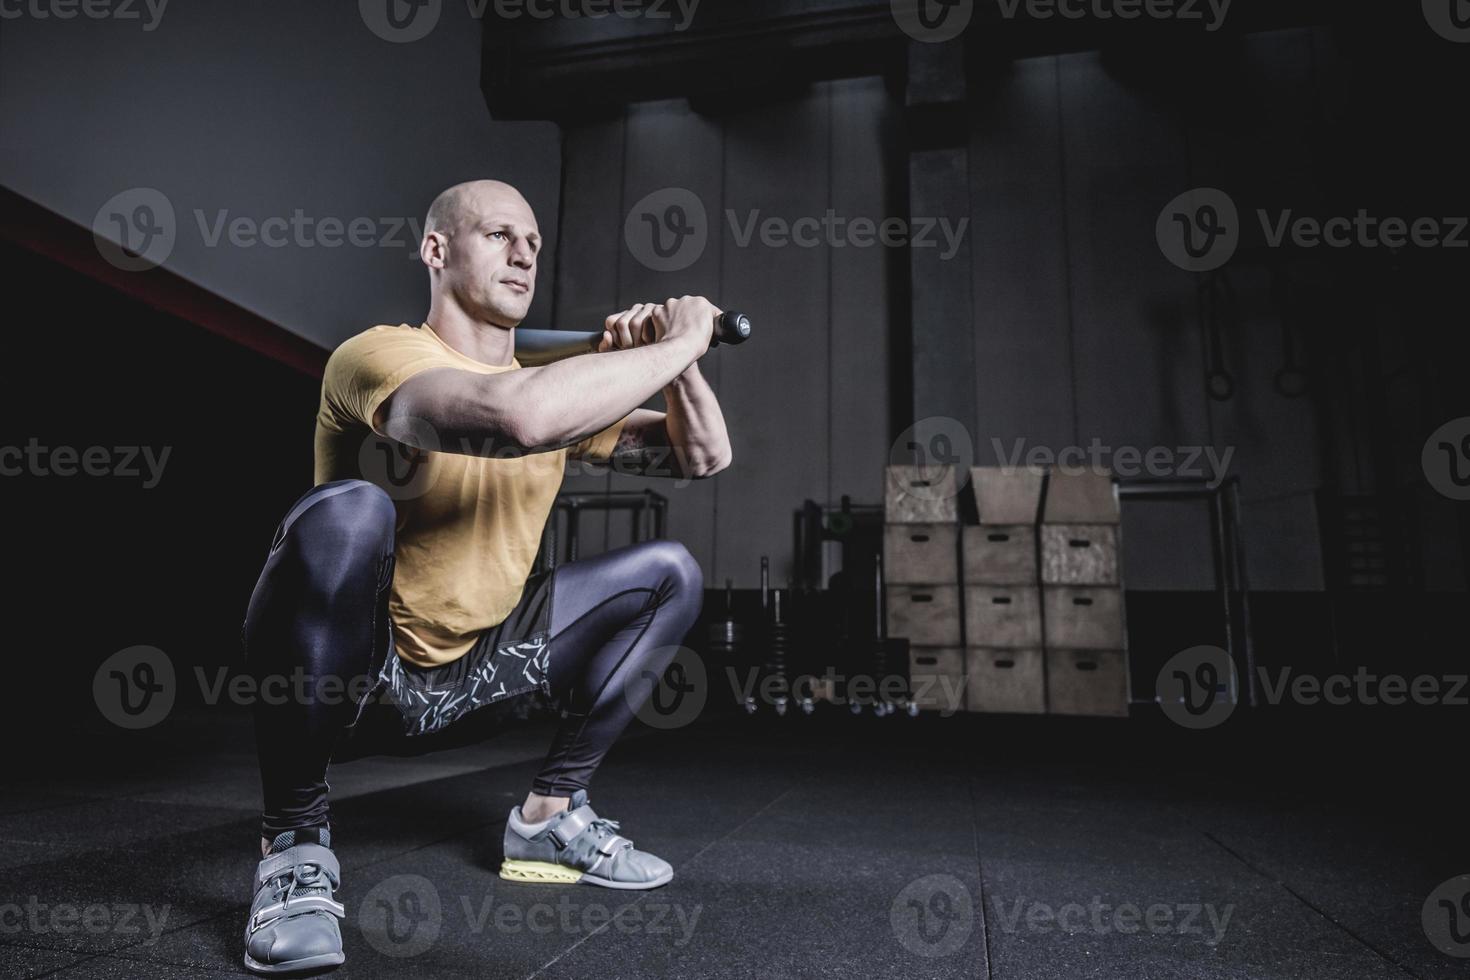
{"x":1084,"y":331}
{"x":162,"y":553}
{"x":259,"y":110}
{"x":808,"y":399}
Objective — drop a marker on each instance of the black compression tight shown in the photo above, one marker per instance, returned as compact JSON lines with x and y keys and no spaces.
{"x":320,"y":609}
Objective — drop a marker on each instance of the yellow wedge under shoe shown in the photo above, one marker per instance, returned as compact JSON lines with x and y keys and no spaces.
{"x":550,"y":853}
{"x":539,"y":872}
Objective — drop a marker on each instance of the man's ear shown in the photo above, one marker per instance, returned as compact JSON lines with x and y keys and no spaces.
{"x":432,"y":250}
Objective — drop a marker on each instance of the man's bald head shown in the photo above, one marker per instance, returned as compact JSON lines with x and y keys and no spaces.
{"x":466,"y":203}
{"x":481,"y":243}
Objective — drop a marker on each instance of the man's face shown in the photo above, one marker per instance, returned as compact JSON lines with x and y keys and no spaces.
{"x":491,"y":260}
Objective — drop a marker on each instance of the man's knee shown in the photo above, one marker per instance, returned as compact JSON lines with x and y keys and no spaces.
{"x":345,"y":517}
{"x":677,"y":565}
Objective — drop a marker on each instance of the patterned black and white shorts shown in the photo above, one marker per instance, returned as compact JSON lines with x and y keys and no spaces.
{"x":507,"y":660}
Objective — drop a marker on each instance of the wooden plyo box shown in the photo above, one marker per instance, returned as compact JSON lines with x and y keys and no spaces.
{"x":1005,"y":681}
{"x":1083,"y":617}
{"x":1080,"y":554}
{"x":925,"y":615}
{"x":921,"y":495}
{"x":999,"y":554}
{"x":937,"y":678}
{"x":1087,"y":682}
{"x":920,"y":554}
{"x":1003,"y":616}
{"x":1007,"y":495}
{"x":1081,"y":498}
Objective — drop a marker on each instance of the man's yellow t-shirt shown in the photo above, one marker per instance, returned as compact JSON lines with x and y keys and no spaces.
{"x":468,"y":526}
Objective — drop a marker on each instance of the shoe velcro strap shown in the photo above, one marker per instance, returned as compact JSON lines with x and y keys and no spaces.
{"x":570,"y":826}
{"x":275,"y":864}
{"x":612,"y":843}
{"x":305,"y":903}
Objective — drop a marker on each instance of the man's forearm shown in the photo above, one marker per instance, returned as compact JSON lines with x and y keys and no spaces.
{"x":569,"y":400}
{"x":696,"y":425}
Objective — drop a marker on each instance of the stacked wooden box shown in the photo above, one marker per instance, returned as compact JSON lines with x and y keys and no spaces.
{"x":1005,"y":665}
{"x":1082,"y":596}
{"x":1020,"y":613}
{"x":921,"y":580}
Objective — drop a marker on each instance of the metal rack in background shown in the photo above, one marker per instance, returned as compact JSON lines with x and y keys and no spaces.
{"x":647,"y":512}
{"x":1227,"y":553}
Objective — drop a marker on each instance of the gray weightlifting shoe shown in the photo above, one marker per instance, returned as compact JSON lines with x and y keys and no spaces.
{"x":293,"y":920}
{"x":578,"y":846}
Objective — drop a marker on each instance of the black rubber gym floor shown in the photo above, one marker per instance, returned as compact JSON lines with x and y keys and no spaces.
{"x":814,"y":847}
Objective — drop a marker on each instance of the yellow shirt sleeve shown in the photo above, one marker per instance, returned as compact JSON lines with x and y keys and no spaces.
{"x":367,"y":368}
{"x":599,"y":448}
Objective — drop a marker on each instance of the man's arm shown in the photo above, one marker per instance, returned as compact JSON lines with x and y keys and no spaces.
{"x":688,"y":441}
{"x":545,"y":408}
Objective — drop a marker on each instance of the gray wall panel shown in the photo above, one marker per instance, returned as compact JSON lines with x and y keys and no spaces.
{"x":589,"y":249}
{"x":862,"y":114}
{"x":668,"y":145}
{"x":807,"y":400}
{"x":776,"y":165}
{"x":282,"y":107}
{"x":1023,"y":351}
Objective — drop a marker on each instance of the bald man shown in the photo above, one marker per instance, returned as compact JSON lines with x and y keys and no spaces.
{"x":418,"y":590}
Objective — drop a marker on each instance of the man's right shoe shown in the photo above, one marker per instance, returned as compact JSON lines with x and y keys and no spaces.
{"x":578,"y":846}
{"x":293,"y":920}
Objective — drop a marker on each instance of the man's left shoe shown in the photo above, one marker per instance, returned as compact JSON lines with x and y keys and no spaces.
{"x":293,"y":919}
{"x":578,"y":846}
